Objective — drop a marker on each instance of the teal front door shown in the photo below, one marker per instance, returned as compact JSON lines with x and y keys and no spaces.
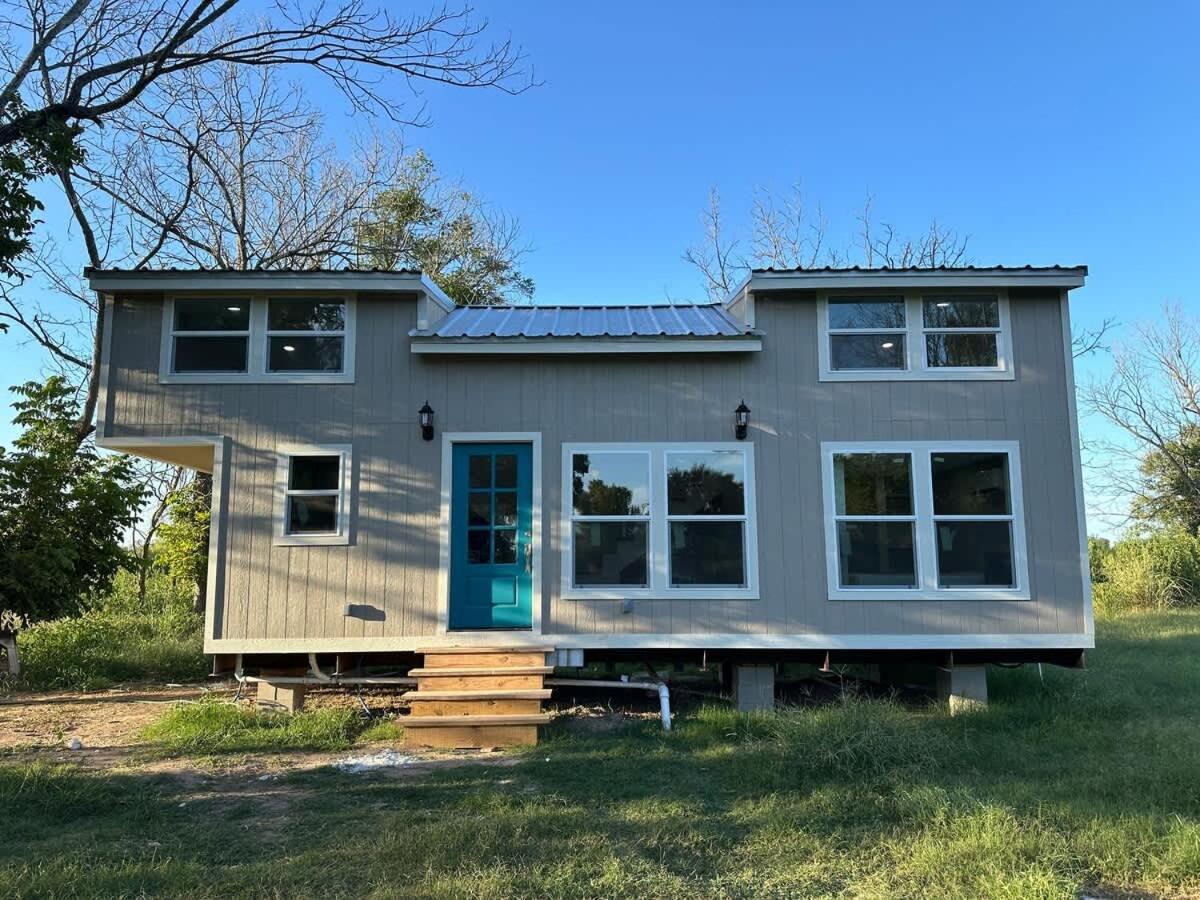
{"x":491,"y":536}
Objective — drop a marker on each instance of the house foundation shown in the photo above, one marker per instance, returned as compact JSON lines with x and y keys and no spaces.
{"x":965,"y":687}
{"x":754,"y":688}
{"x":288,"y":698}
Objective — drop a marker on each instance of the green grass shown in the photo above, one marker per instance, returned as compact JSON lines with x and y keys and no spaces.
{"x":118,"y":638}
{"x":211,"y":727}
{"x":1088,"y":781}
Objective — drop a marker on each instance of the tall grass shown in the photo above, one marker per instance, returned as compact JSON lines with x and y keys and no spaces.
{"x":212,"y":727}
{"x":119,"y":637}
{"x":1158,"y":571}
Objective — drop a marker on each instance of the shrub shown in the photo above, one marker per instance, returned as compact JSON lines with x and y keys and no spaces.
{"x":117,"y":638}
{"x":1154,"y":572}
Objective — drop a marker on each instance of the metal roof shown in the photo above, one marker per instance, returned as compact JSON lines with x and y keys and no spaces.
{"x":520,"y":322}
{"x":829,"y":270}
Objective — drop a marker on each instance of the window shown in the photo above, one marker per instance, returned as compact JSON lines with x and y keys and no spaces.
{"x":210,"y":335}
{"x":258,"y":339}
{"x":925,"y":521}
{"x":866,"y":333}
{"x":305,"y":335}
{"x":313,"y":496}
{"x":659,"y":520}
{"x":706,"y":513}
{"x":913,"y":335}
{"x":961,"y":331}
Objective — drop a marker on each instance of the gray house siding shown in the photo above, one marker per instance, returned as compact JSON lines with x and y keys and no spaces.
{"x":390,"y":568}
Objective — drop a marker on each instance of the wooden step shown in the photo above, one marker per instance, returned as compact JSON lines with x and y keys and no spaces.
{"x":454,"y":735}
{"x":543,"y":694}
{"x":492,"y":707}
{"x":514,"y":678}
{"x":452,"y":659}
{"x":480,"y":670}
{"x":497,"y":649}
{"x":447,"y":721}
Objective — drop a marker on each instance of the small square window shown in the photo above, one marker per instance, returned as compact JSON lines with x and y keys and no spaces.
{"x":314,"y":503}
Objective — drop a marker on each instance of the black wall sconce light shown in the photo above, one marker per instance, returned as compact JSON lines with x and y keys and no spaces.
{"x":741,"y":421}
{"x":425,"y":417}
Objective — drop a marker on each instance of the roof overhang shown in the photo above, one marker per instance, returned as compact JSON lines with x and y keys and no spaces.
{"x":110,"y":281}
{"x":551,"y":346}
{"x":1063,"y":277}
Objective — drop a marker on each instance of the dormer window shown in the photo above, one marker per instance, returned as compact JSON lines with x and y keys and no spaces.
{"x":914,"y":335}
{"x":258,"y":339}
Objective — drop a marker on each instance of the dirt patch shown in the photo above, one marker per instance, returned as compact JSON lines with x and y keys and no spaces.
{"x":100,"y":721}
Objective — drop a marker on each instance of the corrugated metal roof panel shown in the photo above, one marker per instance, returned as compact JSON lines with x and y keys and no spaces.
{"x":586,"y":321}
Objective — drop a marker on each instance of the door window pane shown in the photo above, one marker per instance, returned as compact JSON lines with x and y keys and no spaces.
{"x":505,"y":546}
{"x":212,"y":315}
{"x":866,"y":312}
{"x":961,"y":312}
{"x":971,"y":484}
{"x":479,"y":542}
{"x":948,"y":350}
{"x":610,"y":484}
{"x":608,"y":553}
{"x":506,"y":470}
{"x":707,"y":553}
{"x":306,"y":315}
{"x":312,"y":515}
{"x":975,"y":554}
{"x":479,"y":508}
{"x":314,"y":473}
{"x":210,"y":354}
{"x":876,"y":554}
{"x":506,"y":507}
{"x":706,"y":484}
{"x":305,"y":354}
{"x":480,"y":471}
{"x":866,"y":351}
{"x":872,"y":484}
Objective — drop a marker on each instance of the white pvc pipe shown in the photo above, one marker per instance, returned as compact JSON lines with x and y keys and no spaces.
{"x":659,"y":687}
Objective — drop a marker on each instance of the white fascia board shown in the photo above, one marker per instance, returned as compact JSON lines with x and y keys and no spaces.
{"x":361,"y":282}
{"x":681,"y":641}
{"x":778,"y":281}
{"x":544,"y":346}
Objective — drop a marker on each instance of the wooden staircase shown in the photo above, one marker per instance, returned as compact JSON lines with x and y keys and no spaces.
{"x":477,"y":697}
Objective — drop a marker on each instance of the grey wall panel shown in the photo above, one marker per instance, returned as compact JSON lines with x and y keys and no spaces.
{"x":390,"y":570}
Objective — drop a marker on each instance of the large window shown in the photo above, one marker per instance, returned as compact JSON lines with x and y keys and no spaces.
{"x":312,"y":487}
{"x":258,"y":339}
{"x":305,"y":335}
{"x":924,"y":521}
{"x":914,"y":335}
{"x":210,"y":335}
{"x":661,"y":520}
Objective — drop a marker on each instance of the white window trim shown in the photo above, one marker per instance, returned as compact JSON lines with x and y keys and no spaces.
{"x":658,"y":526}
{"x":914,"y":330}
{"x":924,"y":537}
{"x":286,"y":453}
{"x":258,"y":338}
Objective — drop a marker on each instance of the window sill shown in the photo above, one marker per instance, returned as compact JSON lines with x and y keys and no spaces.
{"x":948,"y":594}
{"x":274,"y":378}
{"x":311,"y":540}
{"x":947,"y":374}
{"x":680,"y":594}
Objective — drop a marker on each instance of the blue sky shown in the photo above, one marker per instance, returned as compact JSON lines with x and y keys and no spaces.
{"x":1048,"y":132}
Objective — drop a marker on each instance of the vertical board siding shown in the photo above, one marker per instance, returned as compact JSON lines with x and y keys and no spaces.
{"x":389,"y":570}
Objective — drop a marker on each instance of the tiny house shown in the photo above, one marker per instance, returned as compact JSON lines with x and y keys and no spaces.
{"x":833,"y":465}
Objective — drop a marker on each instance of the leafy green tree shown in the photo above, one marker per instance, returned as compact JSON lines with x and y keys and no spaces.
{"x":1169,"y":490}
{"x":64,"y":509}
{"x":41,"y":146}
{"x":471,"y":252}
{"x":182,"y":544}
